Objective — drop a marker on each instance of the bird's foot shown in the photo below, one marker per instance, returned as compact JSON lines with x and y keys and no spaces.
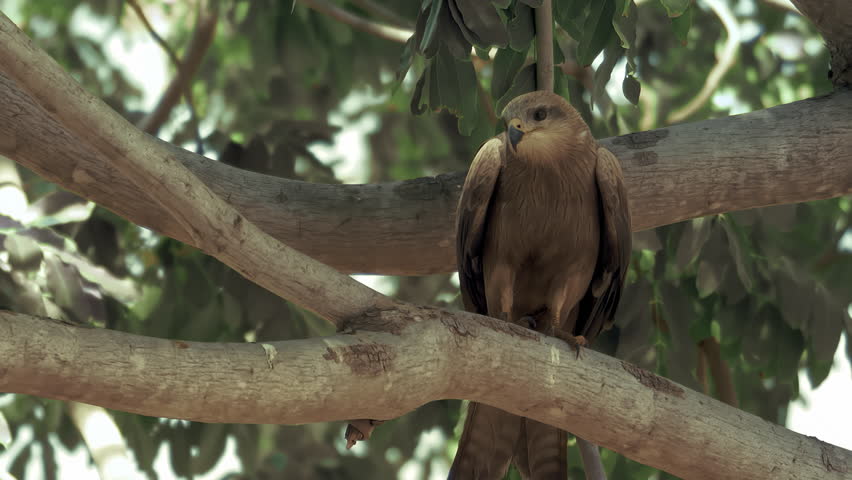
{"x":577,"y":342}
{"x":531,"y":320}
{"x":360,"y":430}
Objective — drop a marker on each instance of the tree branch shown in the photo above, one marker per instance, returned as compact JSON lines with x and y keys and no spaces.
{"x":387,"y":32}
{"x":204,"y":217}
{"x":104,"y":441}
{"x":437,"y":355}
{"x":721,"y":372}
{"x":544,"y":46}
{"x":383,"y":12}
{"x":833,"y":20}
{"x":723,"y":64}
{"x":790,"y":153}
{"x":198,"y":45}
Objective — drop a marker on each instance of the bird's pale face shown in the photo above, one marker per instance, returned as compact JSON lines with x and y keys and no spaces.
{"x":540,"y":120}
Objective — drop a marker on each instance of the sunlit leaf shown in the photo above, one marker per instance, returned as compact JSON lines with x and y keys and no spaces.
{"x":597,"y":31}
{"x":675,"y":8}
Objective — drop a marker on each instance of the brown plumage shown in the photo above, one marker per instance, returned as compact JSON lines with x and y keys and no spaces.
{"x":543,"y":240}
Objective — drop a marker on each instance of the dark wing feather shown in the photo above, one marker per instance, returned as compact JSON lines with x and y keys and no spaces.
{"x":472,"y":222}
{"x":597,"y":308}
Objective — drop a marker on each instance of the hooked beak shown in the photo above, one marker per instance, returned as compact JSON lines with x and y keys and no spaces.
{"x":515,"y":133}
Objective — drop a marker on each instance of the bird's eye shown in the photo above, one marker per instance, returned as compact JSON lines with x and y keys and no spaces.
{"x":540,"y":114}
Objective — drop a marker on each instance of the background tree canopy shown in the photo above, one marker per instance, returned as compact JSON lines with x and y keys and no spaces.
{"x":733,"y":305}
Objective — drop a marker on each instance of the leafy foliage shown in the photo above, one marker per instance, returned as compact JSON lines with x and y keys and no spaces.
{"x":770,"y":285}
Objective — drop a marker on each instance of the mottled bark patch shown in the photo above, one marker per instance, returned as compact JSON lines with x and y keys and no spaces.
{"x":457,"y":327}
{"x":652,"y":381}
{"x":830,"y":460}
{"x":641,"y":139}
{"x":363,"y":359}
{"x":508,"y":328}
{"x":644,"y":159}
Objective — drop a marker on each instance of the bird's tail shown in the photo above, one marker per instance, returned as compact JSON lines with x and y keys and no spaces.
{"x":542,"y":452}
{"x":493,"y":438}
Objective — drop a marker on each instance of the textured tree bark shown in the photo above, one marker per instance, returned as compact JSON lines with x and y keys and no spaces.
{"x":210,"y":222}
{"x":790,"y":153}
{"x":833,"y":20}
{"x":436,"y":355}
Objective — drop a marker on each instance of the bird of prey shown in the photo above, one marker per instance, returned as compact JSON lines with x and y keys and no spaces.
{"x":543,"y":240}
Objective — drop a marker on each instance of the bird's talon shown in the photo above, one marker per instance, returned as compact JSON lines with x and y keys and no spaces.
{"x":530,"y":322}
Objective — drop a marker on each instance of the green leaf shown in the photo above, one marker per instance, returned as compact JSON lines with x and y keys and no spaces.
{"x":533,"y":3}
{"x":708,"y":278}
{"x":523,"y":82}
{"x":211,"y":446}
{"x":675,"y":8}
{"x":631,"y":89}
{"x":507,"y":64}
{"x":451,"y":36}
{"x":597,"y":30}
{"x":612,"y":54}
{"x":458,"y":89}
{"x":569,"y":15}
{"x":741,"y":259}
{"x":682,"y":24}
{"x":430,"y":42}
{"x":418,"y":107}
{"x":826,"y":325}
{"x":484,"y":21}
{"x":521,"y":28}
{"x":692,"y":240}
{"x":24,"y":253}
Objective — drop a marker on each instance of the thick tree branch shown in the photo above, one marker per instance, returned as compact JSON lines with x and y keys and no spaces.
{"x":790,"y":153}
{"x":833,"y":20}
{"x":210,"y":222}
{"x":382,"y":375}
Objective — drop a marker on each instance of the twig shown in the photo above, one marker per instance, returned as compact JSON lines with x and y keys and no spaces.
{"x":725,"y":62}
{"x":782,"y":4}
{"x":382,"y":12}
{"x":106,"y":445}
{"x":591,"y":457}
{"x":387,"y":32}
{"x":199,"y":43}
{"x":544,"y":46}
{"x":721,"y":372}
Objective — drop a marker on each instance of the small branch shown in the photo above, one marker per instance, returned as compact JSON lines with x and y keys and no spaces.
{"x":13,"y":199}
{"x":790,"y":153}
{"x":387,"y":32}
{"x":720,"y":371}
{"x":200,"y":42}
{"x":436,"y":355}
{"x":591,"y":457}
{"x":782,"y":4}
{"x":104,"y":441}
{"x":723,"y":64}
{"x":383,"y":13}
{"x":211,"y":223}
{"x":544,"y":46}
